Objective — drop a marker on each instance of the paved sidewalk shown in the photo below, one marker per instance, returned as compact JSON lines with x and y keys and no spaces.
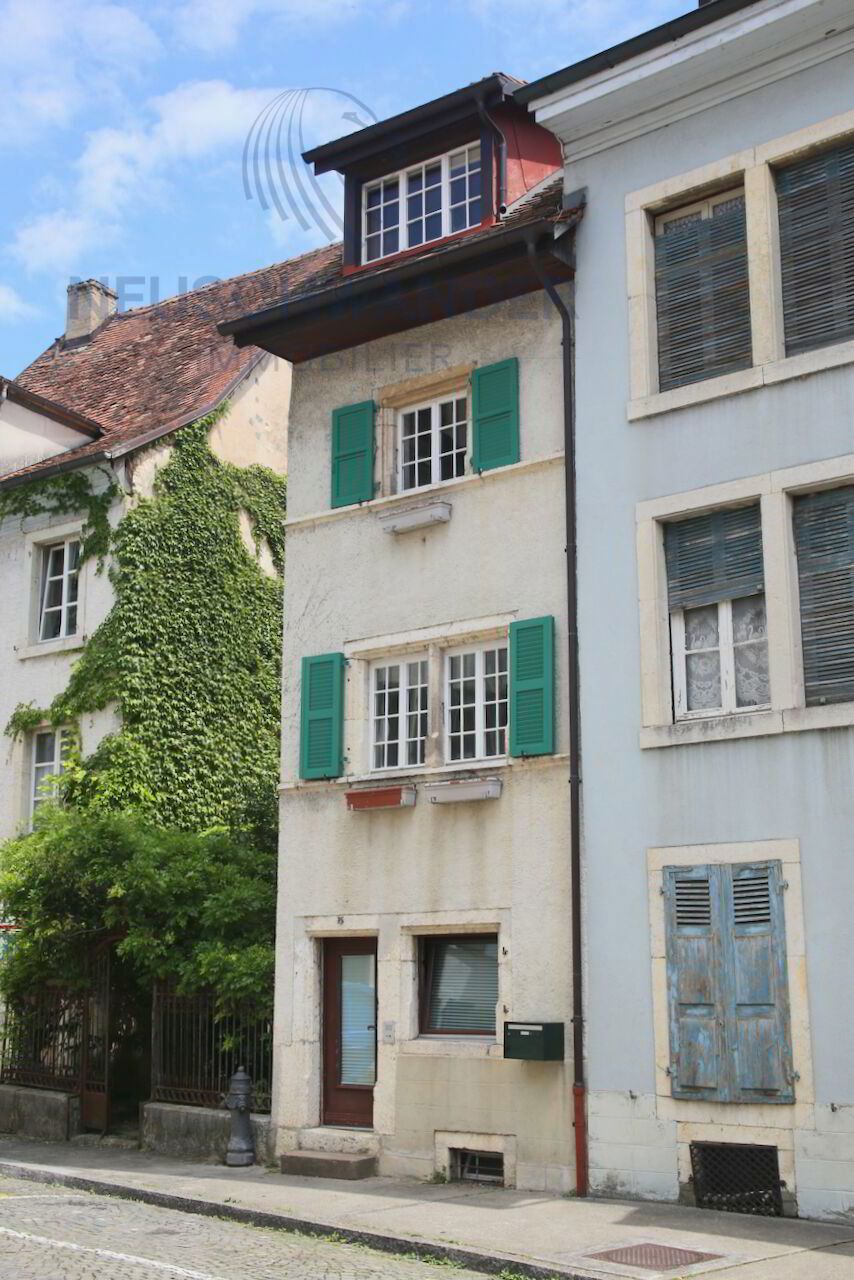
{"x":485,"y":1229}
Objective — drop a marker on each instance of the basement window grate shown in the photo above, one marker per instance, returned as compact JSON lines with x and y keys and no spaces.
{"x":478,"y":1166}
{"x":737,"y":1178}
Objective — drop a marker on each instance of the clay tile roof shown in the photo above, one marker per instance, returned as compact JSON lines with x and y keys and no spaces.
{"x":159,"y":367}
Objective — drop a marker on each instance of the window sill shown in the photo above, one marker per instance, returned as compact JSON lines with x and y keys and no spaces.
{"x":758,"y":724}
{"x":433,"y":1046}
{"x":833,"y":356}
{"x":43,"y":648}
{"x":396,"y":777}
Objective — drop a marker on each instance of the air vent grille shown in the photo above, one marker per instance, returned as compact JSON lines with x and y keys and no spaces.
{"x":737,"y":1178}
{"x":693,"y":903}
{"x":751,"y":896}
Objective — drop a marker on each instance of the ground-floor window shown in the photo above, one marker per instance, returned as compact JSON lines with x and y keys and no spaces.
{"x":459,"y":985}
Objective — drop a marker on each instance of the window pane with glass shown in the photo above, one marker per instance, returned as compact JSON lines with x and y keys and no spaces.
{"x":459,"y":985}
{"x":439,"y":197}
{"x":50,"y":751}
{"x":59,"y":590}
{"x":476,"y":704}
{"x":433,"y":442}
{"x":399,"y":713}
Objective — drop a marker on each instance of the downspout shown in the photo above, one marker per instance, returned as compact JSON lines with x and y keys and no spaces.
{"x":501,"y":201}
{"x":579,"y":1088}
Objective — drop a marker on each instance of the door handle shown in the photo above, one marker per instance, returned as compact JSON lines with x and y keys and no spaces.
{"x":372,"y":1026}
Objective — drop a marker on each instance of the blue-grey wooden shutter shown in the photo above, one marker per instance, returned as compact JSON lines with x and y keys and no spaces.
{"x":816,"y":203}
{"x":353,"y":453}
{"x":695,"y":982}
{"x":702,"y":296}
{"x":532,"y":696}
{"x":322,"y":716}
{"x":757,"y":986}
{"x":495,"y":415}
{"x":824,"y":539}
{"x":717,"y":556}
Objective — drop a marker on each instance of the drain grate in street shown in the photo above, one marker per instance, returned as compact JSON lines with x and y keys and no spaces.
{"x":653,"y":1257}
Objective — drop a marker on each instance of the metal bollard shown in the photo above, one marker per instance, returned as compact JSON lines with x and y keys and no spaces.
{"x":241,"y":1145}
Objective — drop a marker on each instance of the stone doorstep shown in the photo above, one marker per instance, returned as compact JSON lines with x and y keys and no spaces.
{"x":362,"y":1142}
{"x":350,"y":1165}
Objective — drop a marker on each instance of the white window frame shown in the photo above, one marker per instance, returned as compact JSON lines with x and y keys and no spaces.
{"x":479,"y":651}
{"x":39,"y":772}
{"x":726,"y":649}
{"x":46,"y":551}
{"x":434,"y":405}
{"x":402,"y":661}
{"x":402,"y":175}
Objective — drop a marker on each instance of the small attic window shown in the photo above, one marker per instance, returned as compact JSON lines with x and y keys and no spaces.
{"x":423,"y":203}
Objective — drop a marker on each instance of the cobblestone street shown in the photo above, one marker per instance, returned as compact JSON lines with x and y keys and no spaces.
{"x":53,"y":1234}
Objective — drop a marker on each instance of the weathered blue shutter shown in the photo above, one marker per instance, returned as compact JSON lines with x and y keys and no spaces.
{"x":702,"y":296}
{"x":322,"y":716}
{"x":532,"y":731}
{"x":815,"y":198}
{"x":353,"y":454}
{"x":695,"y":982}
{"x":495,"y":415}
{"x":758,"y":996}
{"x":717,"y":556}
{"x":824,"y":539}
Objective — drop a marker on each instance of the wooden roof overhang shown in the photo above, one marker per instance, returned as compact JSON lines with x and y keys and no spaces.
{"x":364,"y":307}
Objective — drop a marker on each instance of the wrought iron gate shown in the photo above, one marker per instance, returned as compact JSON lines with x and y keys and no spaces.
{"x":97,"y":1044}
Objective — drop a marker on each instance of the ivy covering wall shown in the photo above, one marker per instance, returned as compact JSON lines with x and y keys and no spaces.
{"x":190,"y":653}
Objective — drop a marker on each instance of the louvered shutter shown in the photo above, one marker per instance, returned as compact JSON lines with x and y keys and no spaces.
{"x":815,"y":198}
{"x":495,"y":415}
{"x":322,"y":718}
{"x":353,"y":454}
{"x":702,"y":296}
{"x":824,"y":539}
{"x":695,"y":982}
{"x":532,"y":716}
{"x":759,"y":1001}
{"x":714,"y":557}
{"x":464,"y":984}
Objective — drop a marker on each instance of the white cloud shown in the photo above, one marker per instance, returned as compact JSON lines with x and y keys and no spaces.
{"x":215,"y":25}
{"x":13,"y":307}
{"x":64,"y":56}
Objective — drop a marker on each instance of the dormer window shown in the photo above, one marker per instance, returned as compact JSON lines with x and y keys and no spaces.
{"x":415,"y":206}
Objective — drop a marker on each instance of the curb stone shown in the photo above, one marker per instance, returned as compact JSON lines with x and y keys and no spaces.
{"x":489,"y":1264}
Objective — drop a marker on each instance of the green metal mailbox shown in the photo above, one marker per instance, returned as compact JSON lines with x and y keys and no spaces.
{"x":534,"y":1041}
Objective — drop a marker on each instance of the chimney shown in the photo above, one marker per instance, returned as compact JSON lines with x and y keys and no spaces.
{"x":90,"y":303}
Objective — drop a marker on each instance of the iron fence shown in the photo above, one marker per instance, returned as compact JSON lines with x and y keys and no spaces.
{"x":42,"y":1039}
{"x":195,"y":1051}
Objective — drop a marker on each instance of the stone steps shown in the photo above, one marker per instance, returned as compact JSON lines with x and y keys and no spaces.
{"x":350,"y":1165}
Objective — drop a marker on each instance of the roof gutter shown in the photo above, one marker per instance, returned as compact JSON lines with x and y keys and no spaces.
{"x":666,"y":33}
{"x":538,"y":250}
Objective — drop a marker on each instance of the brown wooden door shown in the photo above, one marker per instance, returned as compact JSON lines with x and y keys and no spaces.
{"x":349,"y":1030}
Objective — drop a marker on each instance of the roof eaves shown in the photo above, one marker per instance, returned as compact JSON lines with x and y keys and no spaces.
{"x":12,"y":390}
{"x":666,"y":33}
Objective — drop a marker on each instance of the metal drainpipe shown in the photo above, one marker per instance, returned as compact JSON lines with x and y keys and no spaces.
{"x":579,"y":1087}
{"x":501,"y":203}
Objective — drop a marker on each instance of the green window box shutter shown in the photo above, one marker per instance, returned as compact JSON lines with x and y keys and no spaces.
{"x":728,"y":1001}
{"x":532,"y":694}
{"x":322,"y":716}
{"x":353,"y":454}
{"x":495,"y":415}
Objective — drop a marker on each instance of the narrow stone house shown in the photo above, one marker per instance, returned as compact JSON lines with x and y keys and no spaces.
{"x":715,"y":400}
{"x":424,"y":995}
{"x":97,"y":410}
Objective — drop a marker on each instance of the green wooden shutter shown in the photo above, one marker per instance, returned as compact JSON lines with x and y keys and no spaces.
{"x":824,"y":539}
{"x":322,"y":716}
{"x":532,"y":731}
{"x":495,"y":415}
{"x":702,"y":296}
{"x":758,"y":1012}
{"x":727,"y":989}
{"x":717,"y":556}
{"x":353,"y":454}
{"x":815,"y":198}
{"x":695,"y":982}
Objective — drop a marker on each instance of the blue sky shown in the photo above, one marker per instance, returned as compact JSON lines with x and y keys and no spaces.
{"x":122,"y":125}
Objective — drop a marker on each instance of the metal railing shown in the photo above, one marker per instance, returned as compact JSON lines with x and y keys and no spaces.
{"x":41,"y":1041}
{"x":195,"y":1051}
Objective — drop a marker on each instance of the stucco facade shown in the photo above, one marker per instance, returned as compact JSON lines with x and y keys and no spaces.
{"x":496,"y":866}
{"x":643,"y":137}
